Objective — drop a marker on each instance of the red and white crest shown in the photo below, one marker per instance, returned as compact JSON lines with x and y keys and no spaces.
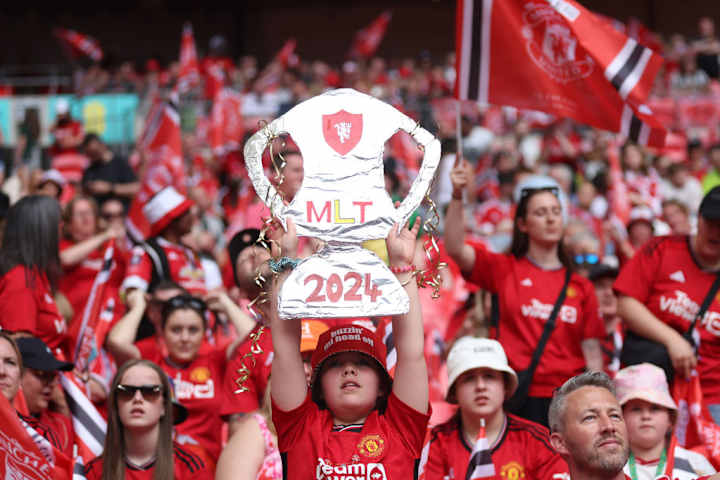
{"x":342,"y":130}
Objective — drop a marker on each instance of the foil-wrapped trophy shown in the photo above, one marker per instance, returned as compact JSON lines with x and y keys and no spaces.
{"x":342,"y":201}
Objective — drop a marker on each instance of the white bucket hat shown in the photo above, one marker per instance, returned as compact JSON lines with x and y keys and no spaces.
{"x":469,"y":353}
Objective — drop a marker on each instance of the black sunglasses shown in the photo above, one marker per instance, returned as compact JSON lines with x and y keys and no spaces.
{"x":148,"y":392}
{"x":526,"y":192}
{"x":184,"y":301}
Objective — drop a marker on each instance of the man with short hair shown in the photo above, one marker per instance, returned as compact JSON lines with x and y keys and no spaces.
{"x":108,"y":175}
{"x":588,"y":429}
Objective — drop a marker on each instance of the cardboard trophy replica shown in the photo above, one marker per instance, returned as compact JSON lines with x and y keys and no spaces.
{"x":342,"y":201}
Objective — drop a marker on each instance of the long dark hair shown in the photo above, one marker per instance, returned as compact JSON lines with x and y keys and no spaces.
{"x":31,"y":238}
{"x":521,"y":240}
{"x":114,"y":451}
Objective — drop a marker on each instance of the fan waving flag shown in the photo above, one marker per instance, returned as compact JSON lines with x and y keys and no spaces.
{"x":162,"y":163}
{"x":556,"y":57}
{"x":80,"y":44}
{"x":368,"y":39}
{"x":189,"y":75}
{"x":480,"y":465}
{"x":226,"y":122}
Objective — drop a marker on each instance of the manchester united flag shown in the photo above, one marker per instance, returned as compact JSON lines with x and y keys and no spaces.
{"x":557,"y":57}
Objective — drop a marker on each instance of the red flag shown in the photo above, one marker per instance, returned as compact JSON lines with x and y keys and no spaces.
{"x":80,"y":44}
{"x":189,"y":75}
{"x":226,"y":122}
{"x":25,"y":454}
{"x":556,"y":57}
{"x":162,"y":165}
{"x":95,"y":322}
{"x":286,"y":56}
{"x":695,"y":427}
{"x":368,"y":39}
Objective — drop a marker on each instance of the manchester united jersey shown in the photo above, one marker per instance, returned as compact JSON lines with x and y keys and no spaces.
{"x":387,"y":447}
{"x":188,"y":466}
{"x":665,"y":278}
{"x":527,"y":295}
{"x":197,"y":387}
{"x":185,"y":268}
{"x":522,"y":450}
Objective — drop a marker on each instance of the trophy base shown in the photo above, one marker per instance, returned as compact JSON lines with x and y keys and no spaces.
{"x":342,"y":281}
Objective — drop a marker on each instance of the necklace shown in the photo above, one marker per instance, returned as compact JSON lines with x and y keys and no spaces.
{"x":658,"y":470}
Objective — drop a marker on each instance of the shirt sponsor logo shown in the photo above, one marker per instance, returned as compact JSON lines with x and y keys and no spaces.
{"x":537,"y":309}
{"x":681,"y":305}
{"x":188,"y":390}
{"x":325,"y":470}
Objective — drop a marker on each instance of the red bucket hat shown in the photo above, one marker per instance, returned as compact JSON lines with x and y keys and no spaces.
{"x":347,"y":338}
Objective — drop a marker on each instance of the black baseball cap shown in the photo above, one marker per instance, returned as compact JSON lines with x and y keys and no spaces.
{"x":602,"y":270}
{"x":239,"y":242}
{"x":37,"y":355}
{"x":710,"y":205}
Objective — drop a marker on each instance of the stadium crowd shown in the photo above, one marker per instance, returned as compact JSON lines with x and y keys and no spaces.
{"x":543,"y":222}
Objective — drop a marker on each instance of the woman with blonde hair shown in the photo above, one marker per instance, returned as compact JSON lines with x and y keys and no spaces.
{"x":139,"y":443}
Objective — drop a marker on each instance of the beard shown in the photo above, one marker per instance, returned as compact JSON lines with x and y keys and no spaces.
{"x":607,"y":463}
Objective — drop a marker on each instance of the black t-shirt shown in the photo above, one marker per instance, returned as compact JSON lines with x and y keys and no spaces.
{"x":117,"y":170}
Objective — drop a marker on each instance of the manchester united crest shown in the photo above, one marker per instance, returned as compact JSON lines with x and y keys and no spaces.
{"x":552,"y":46}
{"x":371,"y":446}
{"x":342,"y":130}
{"x":200,"y":374}
{"x":512,"y":471}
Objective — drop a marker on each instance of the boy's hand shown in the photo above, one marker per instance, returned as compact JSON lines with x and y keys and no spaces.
{"x":401,"y":246}
{"x":285,"y":242}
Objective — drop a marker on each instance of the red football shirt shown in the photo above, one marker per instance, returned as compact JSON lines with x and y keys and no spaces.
{"x":29,"y":307}
{"x":249,"y":396}
{"x":185,"y":268}
{"x":62,"y":429}
{"x":188,"y":466}
{"x":197,"y":387}
{"x":527,"y":294}
{"x":388,"y":446}
{"x":665,"y":278}
{"x":522,"y":450}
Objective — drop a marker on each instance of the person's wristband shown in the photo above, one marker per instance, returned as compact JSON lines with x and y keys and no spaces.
{"x":402,"y":268}
{"x":284,"y":263}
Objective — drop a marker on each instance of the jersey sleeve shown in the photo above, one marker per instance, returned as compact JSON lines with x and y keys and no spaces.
{"x":18,"y":307}
{"x":290,"y":425}
{"x":246,"y":397}
{"x":436,"y":467}
{"x":549,"y":465}
{"x":138,"y":272}
{"x":410,"y":424}
{"x":487,"y":267}
{"x":637,"y":275}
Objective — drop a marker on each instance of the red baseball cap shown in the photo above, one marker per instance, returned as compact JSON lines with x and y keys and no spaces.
{"x":347,"y":338}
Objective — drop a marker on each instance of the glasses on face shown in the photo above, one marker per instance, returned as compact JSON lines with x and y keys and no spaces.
{"x":148,"y":392}
{"x":45,"y":377}
{"x":526,"y":192}
{"x":586,"y":259}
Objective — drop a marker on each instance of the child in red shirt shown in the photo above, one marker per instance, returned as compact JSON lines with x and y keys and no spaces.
{"x":354,"y":420}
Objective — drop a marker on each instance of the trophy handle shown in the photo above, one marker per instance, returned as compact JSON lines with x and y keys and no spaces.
{"x":430,"y":162}
{"x":254,"y":149}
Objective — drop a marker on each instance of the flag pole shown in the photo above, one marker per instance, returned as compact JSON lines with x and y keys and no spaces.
{"x":458,"y":133}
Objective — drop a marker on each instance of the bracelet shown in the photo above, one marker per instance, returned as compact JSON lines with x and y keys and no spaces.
{"x":403,"y":269}
{"x":284,"y":263}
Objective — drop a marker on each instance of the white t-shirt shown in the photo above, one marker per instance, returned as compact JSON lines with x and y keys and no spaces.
{"x":688,"y":465}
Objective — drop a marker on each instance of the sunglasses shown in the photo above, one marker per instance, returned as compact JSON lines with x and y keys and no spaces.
{"x":526,"y":192}
{"x":588,"y":258}
{"x":148,"y":392}
{"x":45,"y":377}
{"x":185,"y":301}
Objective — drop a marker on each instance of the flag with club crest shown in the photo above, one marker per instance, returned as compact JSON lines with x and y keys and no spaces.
{"x":556,"y":57}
